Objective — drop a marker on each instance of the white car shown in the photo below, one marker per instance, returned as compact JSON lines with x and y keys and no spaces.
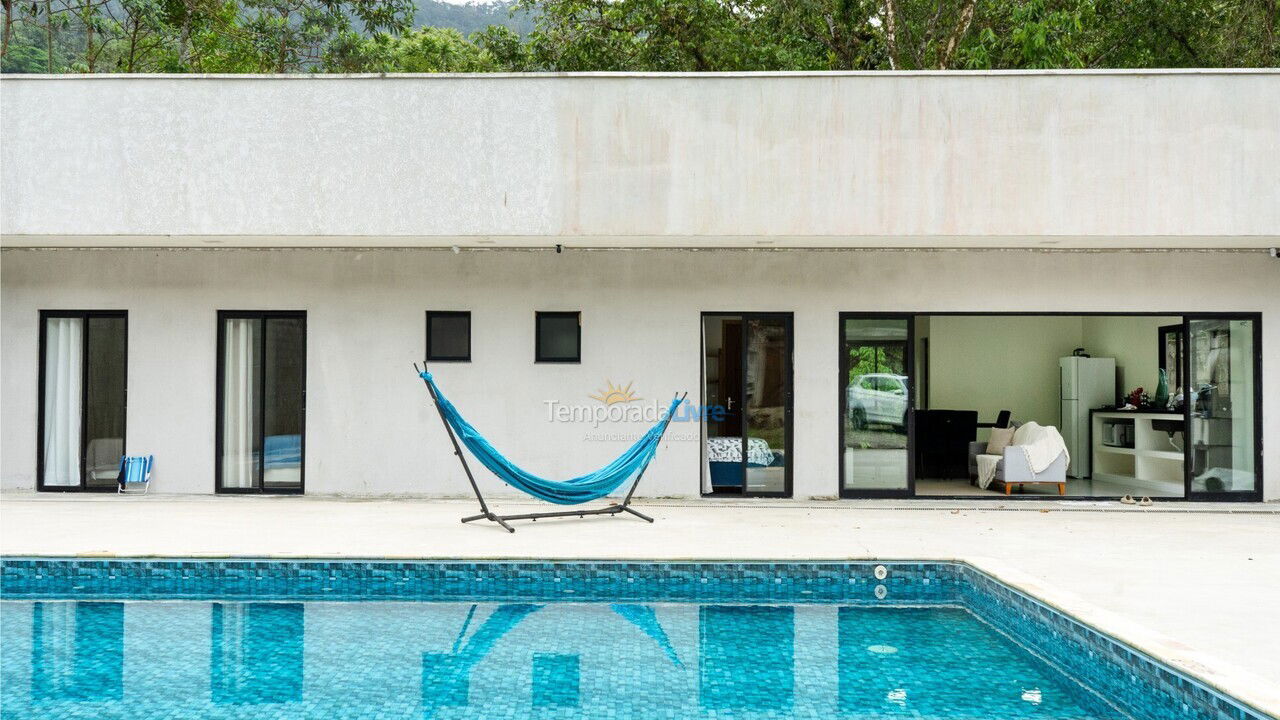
{"x":877,"y":398}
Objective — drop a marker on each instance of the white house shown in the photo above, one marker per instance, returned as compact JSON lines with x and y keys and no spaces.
{"x":851,"y":274}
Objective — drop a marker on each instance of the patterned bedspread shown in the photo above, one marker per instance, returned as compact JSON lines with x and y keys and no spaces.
{"x":729,"y":449}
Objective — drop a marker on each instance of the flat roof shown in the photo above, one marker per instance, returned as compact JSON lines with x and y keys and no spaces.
{"x":1070,"y":158}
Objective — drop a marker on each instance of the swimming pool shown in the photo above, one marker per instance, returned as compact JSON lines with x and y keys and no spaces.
{"x":381,"y":639}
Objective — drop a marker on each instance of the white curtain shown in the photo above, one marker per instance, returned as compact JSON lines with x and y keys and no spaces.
{"x":63,"y":357}
{"x":239,"y":403}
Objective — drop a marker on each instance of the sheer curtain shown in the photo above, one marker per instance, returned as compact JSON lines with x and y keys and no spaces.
{"x":239,"y":406}
{"x":63,"y":357}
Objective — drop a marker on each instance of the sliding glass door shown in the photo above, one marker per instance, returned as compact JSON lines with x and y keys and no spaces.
{"x":1224,"y":363}
{"x":875,"y":405}
{"x":83,"y":376}
{"x":262,"y":372}
{"x":746,"y":416}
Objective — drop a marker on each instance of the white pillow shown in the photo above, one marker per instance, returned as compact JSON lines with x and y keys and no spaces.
{"x":999,"y":440}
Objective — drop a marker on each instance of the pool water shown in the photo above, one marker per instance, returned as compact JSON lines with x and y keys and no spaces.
{"x":190,"y":659}
{"x":363,"y":639}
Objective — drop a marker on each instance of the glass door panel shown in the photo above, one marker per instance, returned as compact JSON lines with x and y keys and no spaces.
{"x":876,"y":406}
{"x":241,"y":373}
{"x":262,"y":402}
{"x":767,"y":392}
{"x":1223,"y":361}
{"x":723,"y":469}
{"x":746,"y":416}
{"x":283,"y":404}
{"x":83,"y":375}
{"x":63,"y":374}
{"x":104,"y":401}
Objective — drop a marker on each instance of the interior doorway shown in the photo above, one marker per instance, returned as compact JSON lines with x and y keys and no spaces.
{"x":1141,"y":404}
{"x":746,"y":400}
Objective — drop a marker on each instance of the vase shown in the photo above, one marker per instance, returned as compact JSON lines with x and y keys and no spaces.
{"x":1162,"y":389}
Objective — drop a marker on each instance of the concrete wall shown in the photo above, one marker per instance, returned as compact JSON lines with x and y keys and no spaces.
{"x":1103,"y":159}
{"x":1134,"y":343}
{"x":370,"y":428}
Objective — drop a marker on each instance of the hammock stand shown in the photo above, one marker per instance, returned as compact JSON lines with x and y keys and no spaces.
{"x":487,"y":514}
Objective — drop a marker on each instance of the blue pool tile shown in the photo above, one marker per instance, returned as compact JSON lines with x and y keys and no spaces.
{"x":266,"y":608}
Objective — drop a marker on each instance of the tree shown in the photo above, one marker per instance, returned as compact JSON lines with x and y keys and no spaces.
{"x":291,"y":35}
{"x":426,"y":50}
{"x":825,"y":34}
{"x":652,"y":35}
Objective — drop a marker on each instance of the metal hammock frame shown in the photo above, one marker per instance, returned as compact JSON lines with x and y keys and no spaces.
{"x":487,"y":514}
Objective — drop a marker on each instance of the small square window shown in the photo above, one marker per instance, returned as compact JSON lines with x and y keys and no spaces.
{"x":559,"y":337}
{"x":448,"y":336}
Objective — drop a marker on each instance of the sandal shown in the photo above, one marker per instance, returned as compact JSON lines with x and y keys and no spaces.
{"x":1128,"y":500}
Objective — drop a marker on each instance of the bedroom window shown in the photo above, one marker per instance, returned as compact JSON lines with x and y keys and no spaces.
{"x":559,"y":337}
{"x":83,"y":372}
{"x":448,"y":336}
{"x":261,"y":403}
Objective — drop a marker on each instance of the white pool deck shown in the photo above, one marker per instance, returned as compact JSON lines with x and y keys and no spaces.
{"x":1196,"y":585}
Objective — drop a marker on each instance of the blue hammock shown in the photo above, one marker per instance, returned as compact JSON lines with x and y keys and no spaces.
{"x":581,"y":489}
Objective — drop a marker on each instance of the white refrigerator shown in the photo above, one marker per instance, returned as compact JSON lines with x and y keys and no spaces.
{"x":1087,"y":383}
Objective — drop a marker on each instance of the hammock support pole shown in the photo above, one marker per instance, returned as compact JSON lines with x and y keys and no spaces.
{"x":487,"y":514}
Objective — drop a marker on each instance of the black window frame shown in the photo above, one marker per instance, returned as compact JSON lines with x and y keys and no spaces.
{"x":842,"y":406}
{"x":1256,"y":495}
{"x":84,"y":315}
{"x":432,"y":314}
{"x":219,"y":376}
{"x":1180,"y":350}
{"x":539,"y":315}
{"x":789,"y":321}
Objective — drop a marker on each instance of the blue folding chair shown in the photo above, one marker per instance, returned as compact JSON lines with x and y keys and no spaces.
{"x":136,"y":470}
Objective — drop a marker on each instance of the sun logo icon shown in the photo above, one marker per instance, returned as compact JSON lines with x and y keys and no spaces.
{"x":614,"y":394}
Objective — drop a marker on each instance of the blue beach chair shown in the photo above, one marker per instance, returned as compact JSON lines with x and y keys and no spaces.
{"x":136,"y":470}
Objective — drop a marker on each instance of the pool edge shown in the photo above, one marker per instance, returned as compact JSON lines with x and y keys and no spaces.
{"x":1236,"y":684}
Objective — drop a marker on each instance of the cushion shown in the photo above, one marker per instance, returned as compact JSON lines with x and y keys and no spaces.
{"x":999,"y":440}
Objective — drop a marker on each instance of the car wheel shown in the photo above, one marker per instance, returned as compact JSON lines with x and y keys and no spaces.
{"x":858,"y":418}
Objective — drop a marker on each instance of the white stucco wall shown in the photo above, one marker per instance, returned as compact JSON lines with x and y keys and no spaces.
{"x":370,"y":429}
{"x":1104,"y":159}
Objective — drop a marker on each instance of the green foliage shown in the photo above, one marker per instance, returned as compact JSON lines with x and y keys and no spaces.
{"x":633,"y":35}
{"x":425,"y":50}
{"x":868,"y":359}
{"x":506,"y":47}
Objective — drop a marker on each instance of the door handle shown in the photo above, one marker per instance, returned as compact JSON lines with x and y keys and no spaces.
{"x":728,"y":404}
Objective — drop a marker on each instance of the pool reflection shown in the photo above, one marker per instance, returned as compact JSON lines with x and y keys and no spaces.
{"x":746,"y":658}
{"x":77,"y":651}
{"x":256,"y":653}
{"x":399,"y":659}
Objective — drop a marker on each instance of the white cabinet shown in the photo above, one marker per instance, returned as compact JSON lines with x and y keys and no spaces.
{"x":1135,"y":448}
